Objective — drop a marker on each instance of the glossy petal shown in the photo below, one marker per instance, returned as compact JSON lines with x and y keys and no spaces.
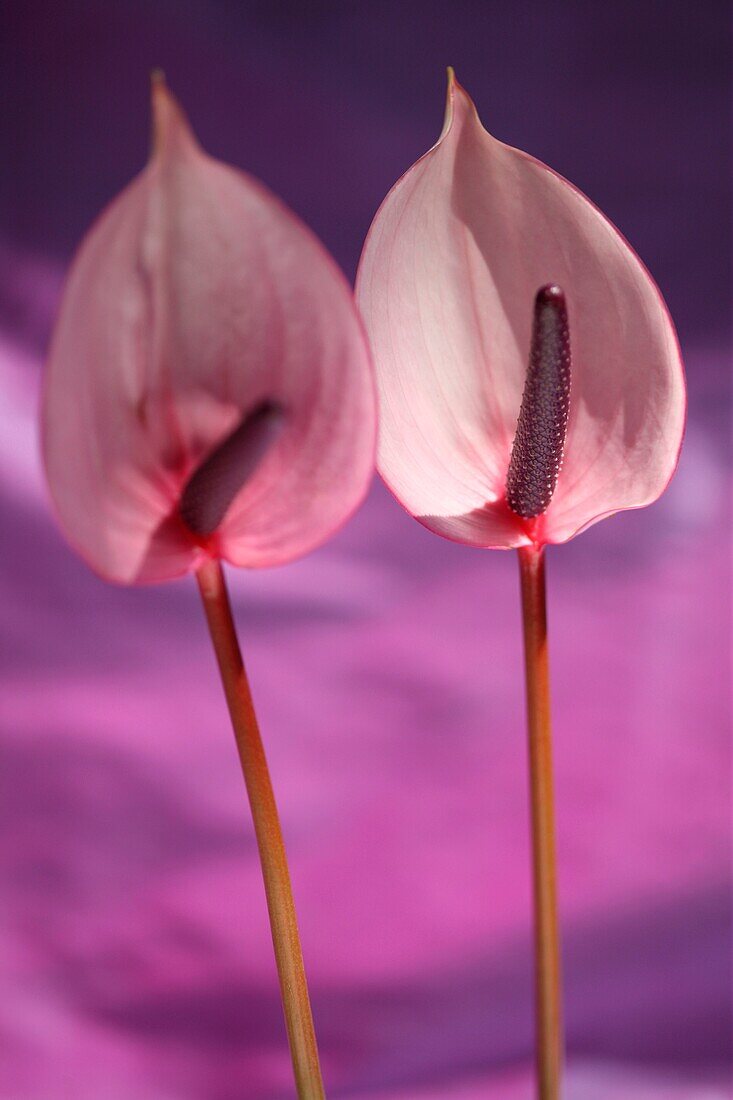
{"x":195,"y":300}
{"x":446,"y":285}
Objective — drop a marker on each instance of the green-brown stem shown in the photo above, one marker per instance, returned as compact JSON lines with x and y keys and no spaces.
{"x":283,"y":922}
{"x":544,"y":872}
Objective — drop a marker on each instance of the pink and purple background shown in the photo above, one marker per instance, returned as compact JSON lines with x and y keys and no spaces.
{"x":135,"y":961}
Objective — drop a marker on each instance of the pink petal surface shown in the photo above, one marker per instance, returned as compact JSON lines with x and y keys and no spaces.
{"x":196,"y":296}
{"x":446,"y":284}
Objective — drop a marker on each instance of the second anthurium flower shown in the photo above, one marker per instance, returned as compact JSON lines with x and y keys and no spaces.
{"x":531,"y":384}
{"x":447,"y":285}
{"x":209,"y":390}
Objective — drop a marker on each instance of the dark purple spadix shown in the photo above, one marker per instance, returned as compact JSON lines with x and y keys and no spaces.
{"x":213,"y":486}
{"x":537,"y":451}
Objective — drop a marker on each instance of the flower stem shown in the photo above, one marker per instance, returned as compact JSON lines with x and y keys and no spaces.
{"x":280,"y":904}
{"x":548,"y":1010}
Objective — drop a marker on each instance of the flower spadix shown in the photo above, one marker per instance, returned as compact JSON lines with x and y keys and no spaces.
{"x":484,"y":276}
{"x":209,"y":389}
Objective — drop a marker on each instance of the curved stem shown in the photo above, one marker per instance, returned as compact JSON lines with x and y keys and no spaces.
{"x":283,"y":921}
{"x":546,"y":937}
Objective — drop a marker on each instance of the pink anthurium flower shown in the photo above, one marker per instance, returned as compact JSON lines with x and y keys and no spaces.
{"x":448,"y":277}
{"x":208,"y":389}
{"x":531,"y":384}
{"x":209,"y":397}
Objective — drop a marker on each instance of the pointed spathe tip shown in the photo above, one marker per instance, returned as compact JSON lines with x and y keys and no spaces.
{"x":449,"y":93}
{"x":458,"y":103}
{"x":160,"y":101}
{"x":170,"y":125}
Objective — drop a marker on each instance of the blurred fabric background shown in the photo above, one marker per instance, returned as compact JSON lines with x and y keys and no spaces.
{"x":135,"y":961}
